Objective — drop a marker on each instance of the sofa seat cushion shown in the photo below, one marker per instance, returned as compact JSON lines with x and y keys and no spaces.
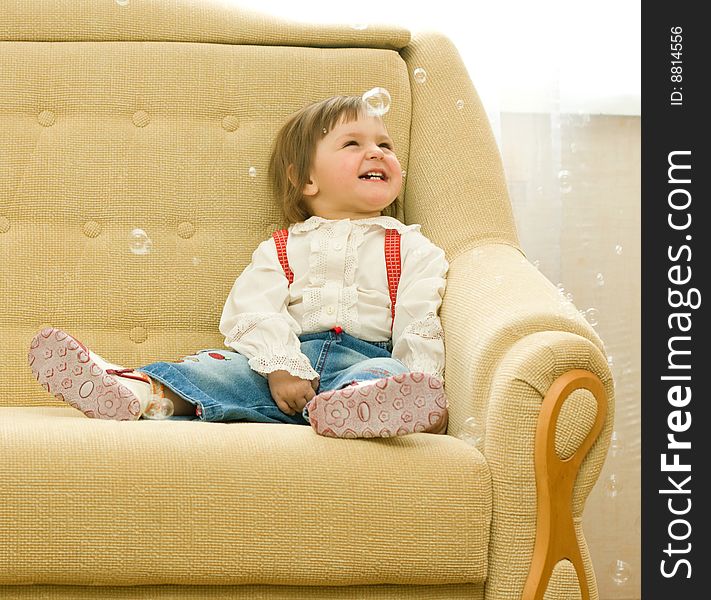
{"x":90,"y":502}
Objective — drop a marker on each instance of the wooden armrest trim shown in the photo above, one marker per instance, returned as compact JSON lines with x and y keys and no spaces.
{"x":555,"y":478}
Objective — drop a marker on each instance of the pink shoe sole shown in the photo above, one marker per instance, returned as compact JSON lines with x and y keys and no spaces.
{"x":63,"y":366}
{"x":397,"y":405}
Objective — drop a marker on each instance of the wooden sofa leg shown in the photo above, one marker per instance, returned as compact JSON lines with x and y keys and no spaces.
{"x":555,"y":478}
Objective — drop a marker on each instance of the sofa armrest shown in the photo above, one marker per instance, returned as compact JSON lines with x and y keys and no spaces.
{"x":509,"y":335}
{"x":495,"y":298}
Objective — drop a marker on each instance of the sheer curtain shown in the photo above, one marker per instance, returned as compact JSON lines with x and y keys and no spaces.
{"x":560,"y":82}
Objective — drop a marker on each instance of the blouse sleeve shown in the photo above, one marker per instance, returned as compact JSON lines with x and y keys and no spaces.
{"x":255,"y":320}
{"x":418,"y":337}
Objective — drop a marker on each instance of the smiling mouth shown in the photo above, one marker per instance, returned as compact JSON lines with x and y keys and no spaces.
{"x":374,"y":177}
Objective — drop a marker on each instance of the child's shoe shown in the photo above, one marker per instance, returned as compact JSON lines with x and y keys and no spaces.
{"x":397,"y":405}
{"x":67,"y":369}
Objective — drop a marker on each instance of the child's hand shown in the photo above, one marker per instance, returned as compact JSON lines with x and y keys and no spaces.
{"x":291,"y":393}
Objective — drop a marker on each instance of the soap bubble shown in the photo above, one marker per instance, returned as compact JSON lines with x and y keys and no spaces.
{"x":619,"y":572}
{"x":252,"y":171}
{"x":612,"y":486}
{"x":159,"y":408}
{"x":140,"y":242}
{"x":564,"y":181}
{"x":420,"y":75}
{"x":616,"y":445}
{"x":459,"y":104}
{"x":472,"y":433}
{"x":591,"y":314}
{"x":600,"y":279}
{"x":377,"y":101}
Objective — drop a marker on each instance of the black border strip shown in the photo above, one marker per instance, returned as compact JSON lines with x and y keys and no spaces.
{"x":674,"y":398}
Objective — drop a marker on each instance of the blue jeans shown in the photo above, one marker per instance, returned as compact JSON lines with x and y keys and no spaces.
{"x":224,"y":387}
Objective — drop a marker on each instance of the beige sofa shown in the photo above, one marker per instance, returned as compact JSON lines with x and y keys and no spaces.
{"x":158,"y":116}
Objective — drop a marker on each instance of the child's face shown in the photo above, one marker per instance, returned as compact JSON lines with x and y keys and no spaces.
{"x":338,"y":188}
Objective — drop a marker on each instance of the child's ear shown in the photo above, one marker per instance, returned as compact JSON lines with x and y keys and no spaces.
{"x":310,"y":188}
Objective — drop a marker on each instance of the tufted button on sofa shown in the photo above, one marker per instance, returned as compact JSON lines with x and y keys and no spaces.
{"x":134,"y":141}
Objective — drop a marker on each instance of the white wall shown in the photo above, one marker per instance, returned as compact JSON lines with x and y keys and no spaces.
{"x":523,"y":56}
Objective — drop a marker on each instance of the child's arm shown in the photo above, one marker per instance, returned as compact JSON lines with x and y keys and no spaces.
{"x":255,"y":320}
{"x":418,"y":337}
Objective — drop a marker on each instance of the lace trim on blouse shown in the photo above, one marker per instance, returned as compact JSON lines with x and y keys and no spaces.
{"x":284,"y":359}
{"x":350,"y":315}
{"x":246,"y":322}
{"x":429,"y":327}
{"x":383,"y":221}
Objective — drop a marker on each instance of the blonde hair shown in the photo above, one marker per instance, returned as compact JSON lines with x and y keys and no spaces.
{"x":295,"y":144}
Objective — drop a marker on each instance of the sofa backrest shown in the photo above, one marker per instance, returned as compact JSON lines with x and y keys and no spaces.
{"x":134,"y":144}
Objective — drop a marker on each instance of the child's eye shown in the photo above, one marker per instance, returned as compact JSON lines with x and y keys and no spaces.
{"x":386,"y":144}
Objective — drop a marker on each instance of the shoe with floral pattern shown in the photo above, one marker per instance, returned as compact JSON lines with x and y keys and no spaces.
{"x":396,"y":405}
{"x":67,"y":369}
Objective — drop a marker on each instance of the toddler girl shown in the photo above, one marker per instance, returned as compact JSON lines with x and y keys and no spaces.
{"x":334,"y":322}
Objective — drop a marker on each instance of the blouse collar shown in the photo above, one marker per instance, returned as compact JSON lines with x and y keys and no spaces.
{"x":383,"y":221}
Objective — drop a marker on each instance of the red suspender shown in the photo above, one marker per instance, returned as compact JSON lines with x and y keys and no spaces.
{"x":280,"y":236}
{"x":392,"y":262}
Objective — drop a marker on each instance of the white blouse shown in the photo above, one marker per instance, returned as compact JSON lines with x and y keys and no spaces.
{"x":340,"y":279}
